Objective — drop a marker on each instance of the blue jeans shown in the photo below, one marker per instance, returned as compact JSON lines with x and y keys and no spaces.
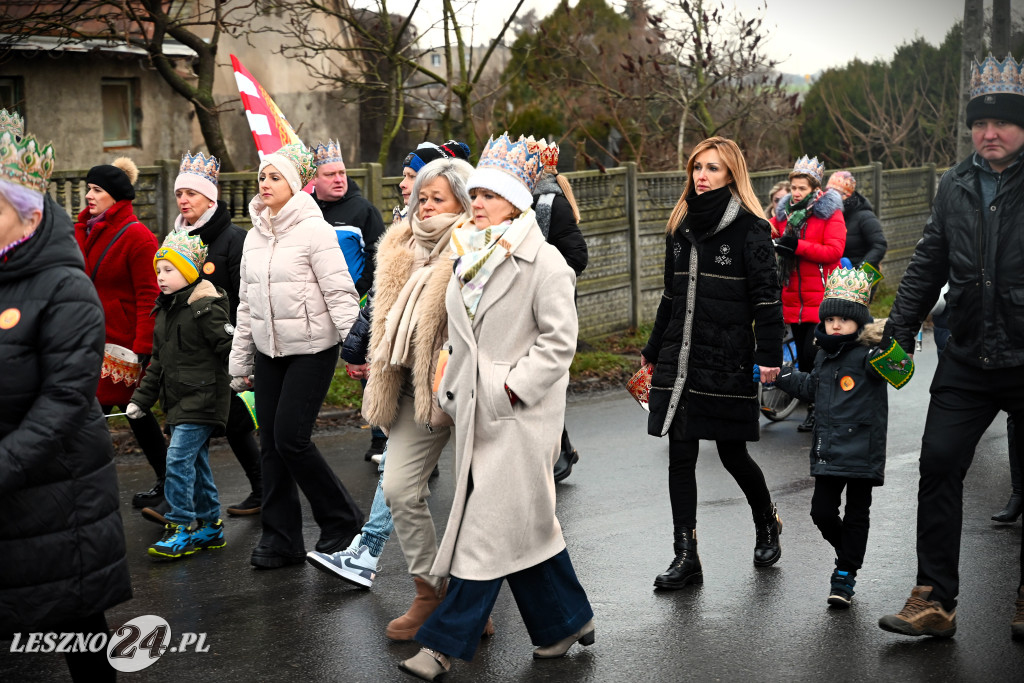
{"x":189,"y":487}
{"x":379,"y":526}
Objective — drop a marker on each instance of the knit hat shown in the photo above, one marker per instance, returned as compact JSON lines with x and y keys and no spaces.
{"x":186,"y":252}
{"x":116,"y":179}
{"x":294,"y":162}
{"x":847,"y":294}
{"x":198,"y":173}
{"x":11,"y":122}
{"x":997,"y":91}
{"x":510,"y":169}
{"x":428,"y":151}
{"x":844,"y":182}
{"x":329,"y":153}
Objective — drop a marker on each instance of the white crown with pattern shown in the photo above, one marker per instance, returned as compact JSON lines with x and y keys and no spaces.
{"x":994,"y":77}
{"x":810,"y":167}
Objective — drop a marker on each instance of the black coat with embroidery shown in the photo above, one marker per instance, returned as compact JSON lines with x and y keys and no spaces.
{"x":733,"y":321}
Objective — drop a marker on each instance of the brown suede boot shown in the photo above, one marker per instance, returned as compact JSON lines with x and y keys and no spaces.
{"x":423,"y":605}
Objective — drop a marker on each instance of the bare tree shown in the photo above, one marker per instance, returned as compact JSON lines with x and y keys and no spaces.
{"x":146,"y":24}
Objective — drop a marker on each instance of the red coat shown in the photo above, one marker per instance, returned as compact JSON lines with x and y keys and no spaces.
{"x":125,"y":282}
{"x":818,"y":252}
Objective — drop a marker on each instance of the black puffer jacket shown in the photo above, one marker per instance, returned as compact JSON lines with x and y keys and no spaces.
{"x":61,"y":537}
{"x":980,"y":251}
{"x":720,"y":313}
{"x":558,"y":223}
{"x":851,"y":409}
{"x":224,"y":258}
{"x":357,"y":342}
{"x":865,"y":240}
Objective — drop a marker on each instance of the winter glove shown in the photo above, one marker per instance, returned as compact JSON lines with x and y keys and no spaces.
{"x":134,"y":412}
{"x":787,"y":243}
{"x":143,"y":359}
{"x":241,"y":384}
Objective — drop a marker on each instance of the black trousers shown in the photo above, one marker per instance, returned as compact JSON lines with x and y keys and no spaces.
{"x":682,"y":477}
{"x":239,"y":433}
{"x":847,"y":534}
{"x":964,"y":402}
{"x":150,"y":439}
{"x":87,"y":667}
{"x":289,"y":392}
{"x":803,"y":337}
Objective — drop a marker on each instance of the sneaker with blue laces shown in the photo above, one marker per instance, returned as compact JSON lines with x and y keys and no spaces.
{"x":841,"y":592}
{"x":175,"y":543}
{"x":209,"y":535}
{"x":354,"y":564}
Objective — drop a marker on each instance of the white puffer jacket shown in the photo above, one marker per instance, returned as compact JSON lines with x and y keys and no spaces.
{"x":296,"y":296}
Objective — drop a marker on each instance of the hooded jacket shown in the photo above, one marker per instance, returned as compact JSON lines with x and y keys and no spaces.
{"x":61,"y":537}
{"x":359,"y":226}
{"x":865,"y":240}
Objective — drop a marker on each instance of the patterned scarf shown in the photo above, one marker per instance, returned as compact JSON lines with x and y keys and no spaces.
{"x":478,"y":253}
{"x":796,"y":218}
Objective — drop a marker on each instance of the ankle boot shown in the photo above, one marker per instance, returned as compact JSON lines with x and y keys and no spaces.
{"x":685,"y":568}
{"x":1010,"y":513}
{"x":423,"y":605}
{"x":150,"y":498}
{"x":768,"y":546}
{"x":808,"y":424}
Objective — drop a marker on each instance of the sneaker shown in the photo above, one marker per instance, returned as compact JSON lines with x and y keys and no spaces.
{"x":377,"y":445}
{"x":841,"y":593}
{"x":209,"y":536}
{"x":176,"y":543}
{"x":1017,"y":625}
{"x":376,"y":458}
{"x":250,"y":506}
{"x":357,"y":566}
{"x":921,"y":617}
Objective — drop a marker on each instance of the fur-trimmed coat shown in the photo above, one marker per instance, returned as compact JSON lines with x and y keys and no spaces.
{"x":395,"y":265}
{"x":820,"y":246}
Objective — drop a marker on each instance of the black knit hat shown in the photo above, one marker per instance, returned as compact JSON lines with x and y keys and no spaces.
{"x":844,"y":308}
{"x":999,"y":106}
{"x":113,"y":180}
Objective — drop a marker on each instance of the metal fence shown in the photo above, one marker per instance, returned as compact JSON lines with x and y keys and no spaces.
{"x":623,"y":216}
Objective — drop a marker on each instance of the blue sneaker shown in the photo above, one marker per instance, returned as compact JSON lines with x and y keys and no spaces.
{"x":209,"y":535}
{"x":841,"y":592}
{"x":176,"y":543}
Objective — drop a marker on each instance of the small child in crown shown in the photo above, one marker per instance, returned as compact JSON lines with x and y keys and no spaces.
{"x":852,"y":411}
{"x":188,"y":373}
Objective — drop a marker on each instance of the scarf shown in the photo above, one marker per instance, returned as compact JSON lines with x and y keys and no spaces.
{"x":796,"y":220}
{"x":704,"y":211}
{"x":180,"y":224}
{"x":430,"y":237}
{"x":478,"y":253}
{"x":833,"y":342}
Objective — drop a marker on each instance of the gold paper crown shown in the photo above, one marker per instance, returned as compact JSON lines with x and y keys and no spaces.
{"x":205,"y":167}
{"x":810,"y":167}
{"x":301,"y":158}
{"x":849,"y":285}
{"x":24,"y":162}
{"x":328,"y":154}
{"x":11,"y":122}
{"x":993,"y":77}
{"x":520,"y":158}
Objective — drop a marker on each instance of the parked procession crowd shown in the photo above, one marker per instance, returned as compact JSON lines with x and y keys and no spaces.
{"x":460,"y":319}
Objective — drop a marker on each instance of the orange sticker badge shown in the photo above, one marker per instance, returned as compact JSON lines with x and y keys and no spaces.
{"x":846,"y":383}
{"x":208,"y":268}
{"x":9,"y":318}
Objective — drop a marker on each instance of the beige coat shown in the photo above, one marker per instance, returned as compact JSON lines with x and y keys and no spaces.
{"x":523,"y":335}
{"x":295,"y":295}
{"x":394,"y":268}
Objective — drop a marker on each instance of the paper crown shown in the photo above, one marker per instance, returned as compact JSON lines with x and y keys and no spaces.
{"x":849,"y":285}
{"x":549,"y":159}
{"x":301,"y":158}
{"x":843,"y":181}
{"x":810,"y":167}
{"x":327,"y":154}
{"x":520,"y":158}
{"x":186,"y":252}
{"x":206,"y":167}
{"x":10,"y":121}
{"x":993,"y":77}
{"x":24,"y":162}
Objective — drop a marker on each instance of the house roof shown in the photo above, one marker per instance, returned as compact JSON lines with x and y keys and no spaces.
{"x":171,"y":48}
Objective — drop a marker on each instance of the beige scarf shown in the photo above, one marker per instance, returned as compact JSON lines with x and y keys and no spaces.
{"x":429,"y":240}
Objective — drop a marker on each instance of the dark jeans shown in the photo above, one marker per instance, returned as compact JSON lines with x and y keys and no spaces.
{"x":239,"y":432}
{"x":849,"y":534}
{"x":682,"y":477}
{"x":150,"y":439}
{"x":803,"y":337}
{"x":550,"y":598}
{"x":964,"y":401}
{"x":289,"y":393}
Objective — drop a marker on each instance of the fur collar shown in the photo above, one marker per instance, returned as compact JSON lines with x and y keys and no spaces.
{"x":203,"y":290}
{"x":871,"y":335}
{"x":823,"y":207}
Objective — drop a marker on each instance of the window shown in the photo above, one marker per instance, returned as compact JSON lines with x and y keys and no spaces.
{"x":120,"y":112}
{"x":435,"y":60}
{"x":11,"y":97}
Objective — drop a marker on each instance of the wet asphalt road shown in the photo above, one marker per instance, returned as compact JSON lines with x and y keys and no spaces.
{"x":742,"y":624}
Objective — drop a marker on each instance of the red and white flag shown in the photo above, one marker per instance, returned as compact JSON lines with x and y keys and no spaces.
{"x":270,"y":129}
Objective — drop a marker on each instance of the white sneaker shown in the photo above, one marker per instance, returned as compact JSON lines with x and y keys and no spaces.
{"x":376,"y":457}
{"x":357,"y":566}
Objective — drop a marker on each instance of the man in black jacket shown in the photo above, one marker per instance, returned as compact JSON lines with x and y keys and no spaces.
{"x":974,"y":239}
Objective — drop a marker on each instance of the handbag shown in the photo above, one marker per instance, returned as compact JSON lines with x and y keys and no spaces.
{"x":639,"y":385}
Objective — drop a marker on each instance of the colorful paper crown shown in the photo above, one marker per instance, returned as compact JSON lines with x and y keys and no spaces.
{"x":993,"y":77}
{"x":301,"y":158}
{"x":328,"y":154}
{"x":11,"y":122}
{"x":849,"y":285}
{"x":207,"y":168}
{"x":186,"y":252}
{"x":843,"y":181}
{"x":549,"y":159}
{"x":810,"y":167}
{"x":24,"y":162}
{"x":520,"y":158}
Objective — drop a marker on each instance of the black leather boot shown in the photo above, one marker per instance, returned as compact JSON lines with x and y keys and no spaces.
{"x":1010,"y":513}
{"x":563,"y":466}
{"x":808,"y":424}
{"x":685,"y":568}
{"x":150,"y":498}
{"x":768,"y":546}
